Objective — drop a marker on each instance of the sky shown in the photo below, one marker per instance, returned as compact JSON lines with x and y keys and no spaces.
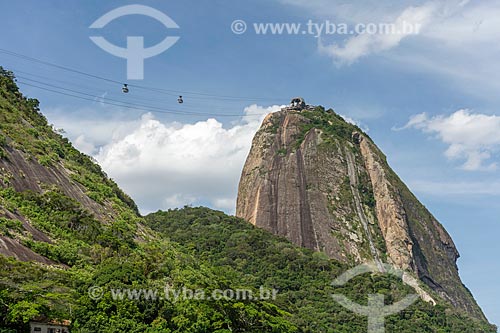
{"x":429,"y":98}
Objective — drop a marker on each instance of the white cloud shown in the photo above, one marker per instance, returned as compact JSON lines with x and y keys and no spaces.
{"x":225,"y":204}
{"x":354,"y":122}
{"x":415,"y":121}
{"x":349,"y":119}
{"x":470,"y":136}
{"x":90,"y":128}
{"x":84,"y":146}
{"x":466,"y":22}
{"x":178,"y":200}
{"x":365,"y":44}
{"x":166,"y":165}
{"x":458,"y":40}
{"x":354,"y":11}
{"x":461,"y":44}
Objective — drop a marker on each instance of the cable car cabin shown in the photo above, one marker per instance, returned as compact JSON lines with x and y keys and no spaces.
{"x":125,"y":88}
{"x":298,"y":104}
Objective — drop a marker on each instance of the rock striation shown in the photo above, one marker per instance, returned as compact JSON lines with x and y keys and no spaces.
{"x":323,"y":184}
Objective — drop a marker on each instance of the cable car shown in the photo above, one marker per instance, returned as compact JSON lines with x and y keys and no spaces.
{"x":180,"y":100}
{"x":125,"y":88}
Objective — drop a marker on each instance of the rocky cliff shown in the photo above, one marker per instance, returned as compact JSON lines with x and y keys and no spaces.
{"x":49,"y":191}
{"x":323,"y":184}
{"x":67,"y":230}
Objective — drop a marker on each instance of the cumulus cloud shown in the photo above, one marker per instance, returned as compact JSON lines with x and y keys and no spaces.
{"x":91,"y":128}
{"x":472,"y":137}
{"x":84,"y":145}
{"x":167,"y":165}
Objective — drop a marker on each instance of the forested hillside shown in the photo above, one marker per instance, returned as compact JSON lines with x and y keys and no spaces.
{"x":69,"y":237}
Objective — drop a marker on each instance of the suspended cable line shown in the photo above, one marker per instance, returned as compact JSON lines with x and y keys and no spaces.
{"x":199,"y":95}
{"x":98,"y":98}
{"x":21,"y":56}
{"x":132,"y":106}
{"x":105,"y":91}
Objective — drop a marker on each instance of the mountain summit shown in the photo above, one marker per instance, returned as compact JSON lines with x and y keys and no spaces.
{"x":322,"y":183}
{"x":72,"y":242}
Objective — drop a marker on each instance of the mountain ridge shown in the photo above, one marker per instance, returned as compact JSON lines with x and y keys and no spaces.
{"x":71,"y":231}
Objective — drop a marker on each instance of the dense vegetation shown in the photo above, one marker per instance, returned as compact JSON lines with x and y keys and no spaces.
{"x":194,"y":248}
{"x":25,"y":128}
{"x":90,"y":252}
{"x":253,"y":257}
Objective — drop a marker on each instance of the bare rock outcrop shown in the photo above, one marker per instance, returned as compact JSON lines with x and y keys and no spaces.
{"x":390,"y":212}
{"x":296,"y":185}
{"x":323,"y":184}
{"x":12,"y":248}
{"x":23,"y":172}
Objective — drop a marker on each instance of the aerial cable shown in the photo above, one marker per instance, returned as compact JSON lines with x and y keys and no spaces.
{"x":96,"y":97}
{"x":105,"y":90}
{"x":159,"y":90}
{"x":131,"y":106}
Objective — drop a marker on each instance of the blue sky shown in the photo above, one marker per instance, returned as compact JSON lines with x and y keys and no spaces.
{"x":449,"y":71}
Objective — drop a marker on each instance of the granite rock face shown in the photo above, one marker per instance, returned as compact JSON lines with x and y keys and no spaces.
{"x":323,"y":184}
{"x":23,"y":173}
{"x":43,"y":178}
